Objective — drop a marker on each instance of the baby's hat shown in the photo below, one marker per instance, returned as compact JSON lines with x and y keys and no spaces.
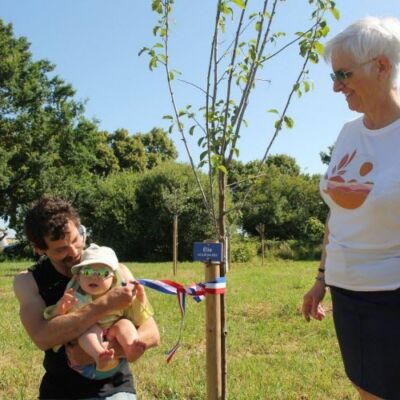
{"x":95,"y":254}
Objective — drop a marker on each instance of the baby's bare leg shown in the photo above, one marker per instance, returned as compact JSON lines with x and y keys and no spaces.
{"x":126,"y":334}
{"x":92,"y":343}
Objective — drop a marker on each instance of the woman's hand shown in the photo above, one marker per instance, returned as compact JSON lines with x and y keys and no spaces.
{"x":312,"y":306}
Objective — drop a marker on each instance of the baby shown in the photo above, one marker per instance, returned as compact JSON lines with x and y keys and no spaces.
{"x":94,"y":276}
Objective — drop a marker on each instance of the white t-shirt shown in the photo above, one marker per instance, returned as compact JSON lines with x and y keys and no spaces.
{"x":362,"y":190}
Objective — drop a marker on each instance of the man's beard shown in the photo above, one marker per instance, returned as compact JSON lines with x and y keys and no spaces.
{"x":69,"y":261}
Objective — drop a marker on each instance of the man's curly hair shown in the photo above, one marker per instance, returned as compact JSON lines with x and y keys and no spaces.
{"x":48,"y":217}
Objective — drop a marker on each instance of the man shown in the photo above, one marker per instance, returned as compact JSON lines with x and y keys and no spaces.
{"x":52,"y":226}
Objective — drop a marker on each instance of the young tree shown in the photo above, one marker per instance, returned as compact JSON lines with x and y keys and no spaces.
{"x":242,"y":43}
{"x":175,"y":201}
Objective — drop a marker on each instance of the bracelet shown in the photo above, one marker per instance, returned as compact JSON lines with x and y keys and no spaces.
{"x":320,"y":279}
{"x":322,"y":270}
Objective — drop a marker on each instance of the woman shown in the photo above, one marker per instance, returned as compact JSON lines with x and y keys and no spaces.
{"x":361,"y":249}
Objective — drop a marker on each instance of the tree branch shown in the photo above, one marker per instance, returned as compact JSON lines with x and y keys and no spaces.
{"x":253,"y":71}
{"x":229,"y":85}
{"x":278,"y":128}
{"x":208,"y":128}
{"x":180,"y":126}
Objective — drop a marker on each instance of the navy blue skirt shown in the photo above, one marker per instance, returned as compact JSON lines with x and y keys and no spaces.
{"x":368,"y":330}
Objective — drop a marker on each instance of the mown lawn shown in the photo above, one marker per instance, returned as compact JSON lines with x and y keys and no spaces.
{"x":272,"y":353}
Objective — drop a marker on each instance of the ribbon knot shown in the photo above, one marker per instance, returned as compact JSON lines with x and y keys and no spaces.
{"x":197,"y":291}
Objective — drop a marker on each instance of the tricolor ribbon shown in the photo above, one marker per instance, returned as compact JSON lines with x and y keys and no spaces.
{"x":197,"y":290}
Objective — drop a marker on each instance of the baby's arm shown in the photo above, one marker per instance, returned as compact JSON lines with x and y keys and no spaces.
{"x":140,"y":293}
{"x":63,"y":306}
{"x":67,"y":302}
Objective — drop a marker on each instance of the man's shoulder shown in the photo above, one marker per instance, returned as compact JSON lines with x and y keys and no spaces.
{"x":24,"y":283}
{"x":42,"y":262}
{"x":125,"y":272}
{"x":23,"y":276}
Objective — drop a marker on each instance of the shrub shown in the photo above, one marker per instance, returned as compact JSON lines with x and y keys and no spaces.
{"x":314,"y":230}
{"x":292,"y":250}
{"x":243,"y":250}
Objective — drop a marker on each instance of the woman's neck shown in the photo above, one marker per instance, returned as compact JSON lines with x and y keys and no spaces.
{"x":385,"y":113}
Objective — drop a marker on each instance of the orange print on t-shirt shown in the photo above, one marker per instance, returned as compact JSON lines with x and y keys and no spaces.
{"x":351,"y":193}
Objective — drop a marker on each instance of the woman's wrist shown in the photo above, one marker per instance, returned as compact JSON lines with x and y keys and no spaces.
{"x":321,"y":280}
{"x":321,"y":275}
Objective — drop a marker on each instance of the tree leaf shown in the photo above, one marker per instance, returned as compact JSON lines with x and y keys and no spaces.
{"x":239,"y":3}
{"x":288,"y":121}
{"x":319,"y":48}
{"x":203,"y":155}
{"x":143,"y":50}
{"x":335,"y":12}
{"x":223,"y":169}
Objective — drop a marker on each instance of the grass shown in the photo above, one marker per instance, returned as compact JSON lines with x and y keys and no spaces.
{"x":272,"y":353}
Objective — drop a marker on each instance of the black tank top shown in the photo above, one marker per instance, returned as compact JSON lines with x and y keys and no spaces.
{"x":59,"y":380}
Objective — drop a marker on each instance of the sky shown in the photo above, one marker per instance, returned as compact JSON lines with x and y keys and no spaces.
{"x":94,"y":45}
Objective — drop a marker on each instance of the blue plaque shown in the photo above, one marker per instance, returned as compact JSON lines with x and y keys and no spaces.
{"x":207,"y":252}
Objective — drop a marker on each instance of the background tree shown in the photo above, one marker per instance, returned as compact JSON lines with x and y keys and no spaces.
{"x":154,"y":220}
{"x":261,"y":231}
{"x":109,"y":209}
{"x":126,"y":211}
{"x":175,"y":201}
{"x":284,"y":203}
{"x":141,"y":151}
{"x":47,"y":146}
{"x":129,"y":151}
{"x":158,"y":147}
{"x":326,"y":155}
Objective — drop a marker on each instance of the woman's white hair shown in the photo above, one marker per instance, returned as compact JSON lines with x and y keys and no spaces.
{"x":368,"y":38}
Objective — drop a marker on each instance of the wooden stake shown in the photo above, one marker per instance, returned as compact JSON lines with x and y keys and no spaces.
{"x":175,"y":245}
{"x":213,"y":337}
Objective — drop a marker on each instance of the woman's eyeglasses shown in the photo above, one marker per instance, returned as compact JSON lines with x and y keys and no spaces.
{"x":100,"y":273}
{"x":340,"y":75}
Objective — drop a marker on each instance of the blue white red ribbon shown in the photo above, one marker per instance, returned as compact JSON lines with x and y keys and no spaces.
{"x":197,"y":291}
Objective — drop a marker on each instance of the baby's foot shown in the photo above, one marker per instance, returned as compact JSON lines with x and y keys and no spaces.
{"x":105,"y":360}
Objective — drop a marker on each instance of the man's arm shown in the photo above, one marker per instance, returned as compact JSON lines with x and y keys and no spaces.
{"x":64,"y":328}
{"x":149,"y":335}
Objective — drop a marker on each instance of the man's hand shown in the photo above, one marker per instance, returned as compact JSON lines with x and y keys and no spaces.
{"x":119,"y":298}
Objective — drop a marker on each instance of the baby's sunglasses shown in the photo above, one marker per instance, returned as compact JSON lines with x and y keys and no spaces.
{"x":102,"y":273}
